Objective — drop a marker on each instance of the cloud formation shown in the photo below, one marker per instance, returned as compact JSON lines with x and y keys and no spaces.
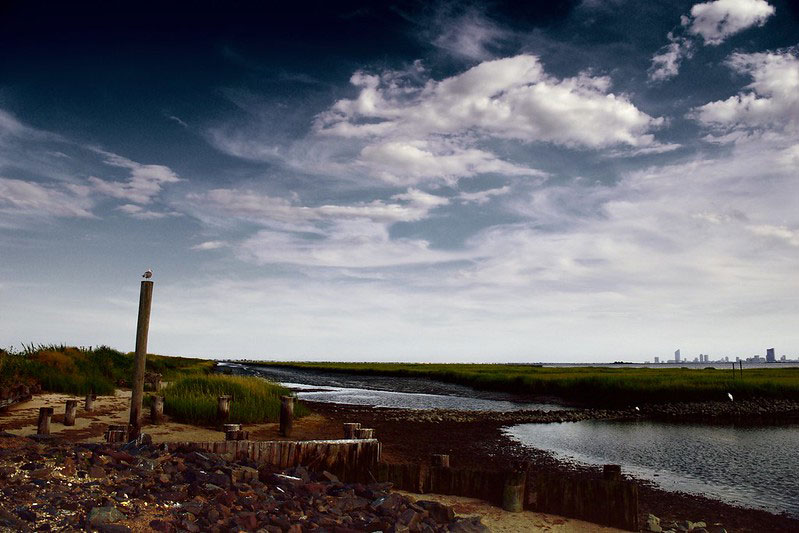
{"x":714,"y":22}
{"x":29,"y":198}
{"x":144,"y":184}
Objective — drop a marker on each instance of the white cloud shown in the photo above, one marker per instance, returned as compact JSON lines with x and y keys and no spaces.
{"x":468,"y":36}
{"x":714,"y":21}
{"x":482,"y":197}
{"x":771,"y":100}
{"x":511,"y":98}
{"x":209,"y":245}
{"x":143,"y":185}
{"x":666,"y":63}
{"x":29,"y":198}
{"x":137,"y":211}
{"x":717,"y":20}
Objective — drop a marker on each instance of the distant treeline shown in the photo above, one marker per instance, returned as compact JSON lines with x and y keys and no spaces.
{"x":594,"y":386}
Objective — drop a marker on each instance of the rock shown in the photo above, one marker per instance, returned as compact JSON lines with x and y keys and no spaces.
{"x":26,"y":514}
{"x":468,"y":525}
{"x":114,"y":528}
{"x":104,"y":515}
{"x":330,"y":477}
{"x":162,"y":526}
{"x":410,"y":518}
{"x":96,"y":471}
{"x":438,"y":512}
{"x":653,"y":524}
{"x":389,"y":504}
{"x":700,"y":524}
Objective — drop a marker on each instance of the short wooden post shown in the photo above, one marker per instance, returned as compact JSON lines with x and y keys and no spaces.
{"x":45,"y":414}
{"x":223,"y":409}
{"x":741,"y":366}
{"x":350,"y":428}
{"x":611,"y":472}
{"x":439,"y":460}
{"x":116,"y":433}
{"x":157,"y":410}
{"x":286,"y":415}
{"x":90,"y":397}
{"x":513,"y":492}
{"x":157,"y":383}
{"x":231,"y":431}
{"x":142,"y":330}
{"x":364,"y":433}
{"x":70,"y":412}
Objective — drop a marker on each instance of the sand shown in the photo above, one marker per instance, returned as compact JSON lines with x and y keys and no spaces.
{"x":21,"y":420}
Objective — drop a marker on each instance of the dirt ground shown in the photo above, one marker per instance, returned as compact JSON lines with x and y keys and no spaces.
{"x":21,"y":420}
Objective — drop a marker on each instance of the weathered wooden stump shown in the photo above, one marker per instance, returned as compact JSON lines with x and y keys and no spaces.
{"x":611,"y":472}
{"x":513,"y":492}
{"x":286,"y":415}
{"x":70,"y":412}
{"x":364,"y":433}
{"x":232,"y":431}
{"x":43,"y":426}
{"x":157,"y":410}
{"x":157,"y":384}
{"x":237,"y":434}
{"x":116,"y":433}
{"x":223,"y":409}
{"x":350,"y":428}
{"x":89,"y":405}
{"x":441,"y":460}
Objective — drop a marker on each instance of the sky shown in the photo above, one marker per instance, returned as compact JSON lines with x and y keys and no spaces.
{"x":575,"y":181}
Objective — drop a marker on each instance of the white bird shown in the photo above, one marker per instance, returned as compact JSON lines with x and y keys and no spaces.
{"x":148,"y":273}
{"x":730,"y":395}
{"x":636,"y":408}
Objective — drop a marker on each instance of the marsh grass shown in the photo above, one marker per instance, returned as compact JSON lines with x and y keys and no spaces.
{"x":599,"y":386}
{"x":194,"y":399}
{"x":79,"y":370}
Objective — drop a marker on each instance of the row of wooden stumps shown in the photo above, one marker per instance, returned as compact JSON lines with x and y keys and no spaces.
{"x":353,"y":430}
{"x":70,"y":414}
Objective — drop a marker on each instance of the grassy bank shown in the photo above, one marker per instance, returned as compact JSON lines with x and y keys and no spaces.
{"x":75,"y":370}
{"x":598,"y":386}
{"x":194,"y":399}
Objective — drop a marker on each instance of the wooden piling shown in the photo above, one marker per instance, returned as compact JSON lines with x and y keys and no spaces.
{"x":364,"y":433}
{"x":611,"y":472}
{"x":89,"y":405}
{"x":222,"y":409}
{"x":157,"y":410}
{"x":70,"y":412}
{"x":513,"y":492}
{"x":142,"y":330}
{"x":116,"y":433}
{"x":286,"y":415}
{"x":441,"y":460}
{"x":350,"y":429}
{"x":43,"y":426}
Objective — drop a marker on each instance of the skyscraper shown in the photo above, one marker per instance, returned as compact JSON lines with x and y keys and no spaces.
{"x":677,"y":356}
{"x":770,"y":355}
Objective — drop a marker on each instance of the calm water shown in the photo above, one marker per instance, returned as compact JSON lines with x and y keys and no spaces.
{"x":750,"y":466}
{"x":381,"y":391}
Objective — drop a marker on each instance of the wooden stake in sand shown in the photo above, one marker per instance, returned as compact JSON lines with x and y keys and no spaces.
{"x":157,"y":410}
{"x":286,"y":415}
{"x":364,"y":433}
{"x":142,"y":329}
{"x":222,"y":409}
{"x":350,"y":428}
{"x":70,"y":412}
{"x":45,"y":414}
{"x":90,"y":397}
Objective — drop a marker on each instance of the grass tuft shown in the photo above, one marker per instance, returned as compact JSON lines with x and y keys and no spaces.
{"x":194,"y":399}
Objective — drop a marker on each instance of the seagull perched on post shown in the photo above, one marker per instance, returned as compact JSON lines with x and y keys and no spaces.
{"x":148,"y":273}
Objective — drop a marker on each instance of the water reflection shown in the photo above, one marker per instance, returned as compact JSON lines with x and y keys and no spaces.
{"x":750,"y":466}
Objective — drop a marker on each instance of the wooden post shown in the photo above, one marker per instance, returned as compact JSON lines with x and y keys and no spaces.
{"x":157,"y":410}
{"x":157,"y":383}
{"x":350,"y":428}
{"x":733,"y":370}
{"x":741,"y":366}
{"x":286,"y":415}
{"x":70,"y":412}
{"x":364,"y":433}
{"x":611,"y":472}
{"x":116,"y":433}
{"x":142,"y":330}
{"x":222,"y":409}
{"x":440,"y":460}
{"x":513,"y":492}
{"x":231,"y":431}
{"x":45,"y":414}
{"x":90,"y":397}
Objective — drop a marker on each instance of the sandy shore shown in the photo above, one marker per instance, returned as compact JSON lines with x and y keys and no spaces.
{"x":89,"y":427}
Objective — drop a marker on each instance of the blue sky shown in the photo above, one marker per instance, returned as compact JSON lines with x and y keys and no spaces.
{"x":591,"y":180}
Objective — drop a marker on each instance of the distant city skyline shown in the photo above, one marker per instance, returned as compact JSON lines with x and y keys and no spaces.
{"x":582,"y":181}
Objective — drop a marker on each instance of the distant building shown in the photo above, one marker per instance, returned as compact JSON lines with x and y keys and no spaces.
{"x":770,"y":355}
{"x":677,"y":356}
{"x":657,"y":360}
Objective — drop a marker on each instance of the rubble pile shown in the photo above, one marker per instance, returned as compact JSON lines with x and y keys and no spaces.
{"x":51,"y":485}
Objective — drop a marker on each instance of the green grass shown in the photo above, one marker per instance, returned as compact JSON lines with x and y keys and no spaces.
{"x":596,"y":386}
{"x":72,"y":370}
{"x":194,"y":399}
